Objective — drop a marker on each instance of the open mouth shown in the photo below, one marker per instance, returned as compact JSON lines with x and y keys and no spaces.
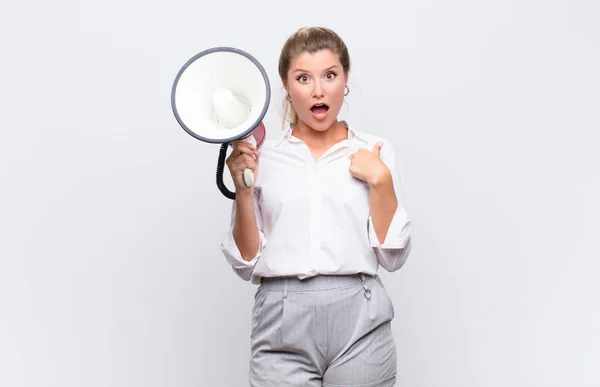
{"x":319,"y":109}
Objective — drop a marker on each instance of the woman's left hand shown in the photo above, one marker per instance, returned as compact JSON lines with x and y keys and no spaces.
{"x":368,"y":166}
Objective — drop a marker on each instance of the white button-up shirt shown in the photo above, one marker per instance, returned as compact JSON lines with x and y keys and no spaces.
{"x":314,"y":217}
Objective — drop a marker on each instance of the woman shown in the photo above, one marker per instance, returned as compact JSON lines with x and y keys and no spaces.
{"x":324,"y":214}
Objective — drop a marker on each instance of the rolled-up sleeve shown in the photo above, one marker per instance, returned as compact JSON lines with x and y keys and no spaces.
{"x":232,"y":253}
{"x":395,"y":249}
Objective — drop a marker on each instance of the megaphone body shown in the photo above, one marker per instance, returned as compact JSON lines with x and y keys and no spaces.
{"x":221,"y":95}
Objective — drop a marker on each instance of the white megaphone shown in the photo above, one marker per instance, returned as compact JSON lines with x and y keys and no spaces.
{"x":221,"y":95}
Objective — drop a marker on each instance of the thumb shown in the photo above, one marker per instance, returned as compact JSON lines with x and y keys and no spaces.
{"x":377,"y":147}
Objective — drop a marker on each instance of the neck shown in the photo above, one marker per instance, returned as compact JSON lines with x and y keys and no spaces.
{"x":334,"y":134}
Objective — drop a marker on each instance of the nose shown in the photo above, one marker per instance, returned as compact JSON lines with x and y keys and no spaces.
{"x":317,"y":89}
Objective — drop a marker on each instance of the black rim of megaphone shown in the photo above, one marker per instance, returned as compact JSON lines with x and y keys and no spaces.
{"x":260,"y":116}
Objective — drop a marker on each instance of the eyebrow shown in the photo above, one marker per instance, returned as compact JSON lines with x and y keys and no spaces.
{"x":306,"y":71}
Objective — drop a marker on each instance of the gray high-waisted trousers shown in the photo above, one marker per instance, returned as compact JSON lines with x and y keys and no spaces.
{"x":322,"y":331}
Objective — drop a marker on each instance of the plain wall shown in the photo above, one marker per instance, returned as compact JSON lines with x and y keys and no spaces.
{"x":110,"y":219}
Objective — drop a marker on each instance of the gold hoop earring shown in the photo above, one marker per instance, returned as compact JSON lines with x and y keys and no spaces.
{"x":347,"y":91}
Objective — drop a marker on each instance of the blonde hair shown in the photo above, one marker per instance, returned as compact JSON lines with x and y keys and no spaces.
{"x":311,"y":40}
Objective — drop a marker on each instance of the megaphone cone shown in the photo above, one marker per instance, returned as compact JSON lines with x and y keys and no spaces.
{"x":221,"y":95}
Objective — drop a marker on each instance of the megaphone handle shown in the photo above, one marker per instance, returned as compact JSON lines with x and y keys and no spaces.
{"x":248,"y":177}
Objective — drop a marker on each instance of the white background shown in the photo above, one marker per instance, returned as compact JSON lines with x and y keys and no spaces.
{"x":110,"y":219}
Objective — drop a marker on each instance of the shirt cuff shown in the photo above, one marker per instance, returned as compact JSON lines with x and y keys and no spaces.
{"x":398,"y":233}
{"x":233,"y":255}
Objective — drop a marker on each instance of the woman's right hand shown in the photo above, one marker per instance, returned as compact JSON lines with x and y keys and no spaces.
{"x":243,"y":156}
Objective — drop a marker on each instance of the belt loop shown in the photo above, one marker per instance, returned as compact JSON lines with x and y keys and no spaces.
{"x":364,"y":285}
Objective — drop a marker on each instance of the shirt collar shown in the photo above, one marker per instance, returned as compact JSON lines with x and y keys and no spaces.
{"x":352,"y":135}
{"x":285,"y":135}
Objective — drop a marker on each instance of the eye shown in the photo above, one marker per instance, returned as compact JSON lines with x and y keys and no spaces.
{"x":302,"y":78}
{"x":331,"y":75}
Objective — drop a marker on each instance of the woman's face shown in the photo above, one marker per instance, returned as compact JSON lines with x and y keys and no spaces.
{"x":316,"y":84}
